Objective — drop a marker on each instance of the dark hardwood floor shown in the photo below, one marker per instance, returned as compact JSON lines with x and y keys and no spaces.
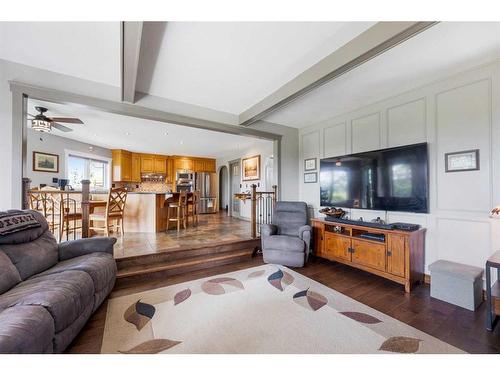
{"x":459,"y":327}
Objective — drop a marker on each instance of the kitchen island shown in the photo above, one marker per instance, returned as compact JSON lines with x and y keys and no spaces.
{"x":145,"y":212}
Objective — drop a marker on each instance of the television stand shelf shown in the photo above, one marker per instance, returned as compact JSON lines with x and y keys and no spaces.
{"x":394,"y":254}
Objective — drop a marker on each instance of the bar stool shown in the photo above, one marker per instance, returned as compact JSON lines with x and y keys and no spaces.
{"x":180,"y":215}
{"x":194,"y":207}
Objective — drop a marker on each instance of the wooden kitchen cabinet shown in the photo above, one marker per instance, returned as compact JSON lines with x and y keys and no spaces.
{"x":147,"y":163}
{"x":204,"y":165}
{"x":121,"y":165}
{"x":160,"y":164}
{"x":183,"y":163}
{"x":136,"y":167}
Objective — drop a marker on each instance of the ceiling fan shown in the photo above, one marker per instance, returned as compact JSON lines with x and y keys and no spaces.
{"x":42,"y":123}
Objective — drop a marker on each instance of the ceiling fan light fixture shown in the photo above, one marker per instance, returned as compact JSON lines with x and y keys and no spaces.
{"x":41,"y":125}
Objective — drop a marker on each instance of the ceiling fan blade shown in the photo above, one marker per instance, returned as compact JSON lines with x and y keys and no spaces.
{"x":69,"y":120}
{"x":61,"y":127}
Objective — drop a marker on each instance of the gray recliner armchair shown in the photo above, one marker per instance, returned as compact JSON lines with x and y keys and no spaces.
{"x":287,"y":240}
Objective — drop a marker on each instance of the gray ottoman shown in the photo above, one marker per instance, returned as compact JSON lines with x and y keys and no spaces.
{"x":457,"y":283}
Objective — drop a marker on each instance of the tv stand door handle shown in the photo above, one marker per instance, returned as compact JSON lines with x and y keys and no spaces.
{"x":389,"y":253}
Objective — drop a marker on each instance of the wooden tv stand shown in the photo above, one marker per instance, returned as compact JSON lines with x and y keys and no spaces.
{"x":399,"y":257}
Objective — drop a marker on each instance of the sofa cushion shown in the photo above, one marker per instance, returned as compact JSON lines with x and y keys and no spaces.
{"x":26,"y":329}
{"x":284,"y":243}
{"x":9,"y":276}
{"x":101,"y":267}
{"x":28,"y":233}
{"x":33,"y":257}
{"x":16,"y":221}
{"x":65,"y":295}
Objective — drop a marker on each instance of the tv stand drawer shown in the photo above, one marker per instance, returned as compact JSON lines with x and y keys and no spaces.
{"x":369,"y":254}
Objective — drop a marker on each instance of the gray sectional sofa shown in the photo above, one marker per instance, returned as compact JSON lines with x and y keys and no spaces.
{"x":48,"y":290}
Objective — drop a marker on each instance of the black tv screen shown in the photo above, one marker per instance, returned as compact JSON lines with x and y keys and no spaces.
{"x":393,"y":179}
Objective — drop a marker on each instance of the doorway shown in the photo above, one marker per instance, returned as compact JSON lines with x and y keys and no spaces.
{"x":223,"y":189}
{"x":235,"y":186}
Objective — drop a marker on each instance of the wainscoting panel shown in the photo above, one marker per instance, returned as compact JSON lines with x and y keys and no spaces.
{"x":406,"y":123}
{"x":463,"y":118}
{"x":310,"y":145}
{"x":366,"y":133}
{"x":334,"y":140}
{"x":464,"y":241}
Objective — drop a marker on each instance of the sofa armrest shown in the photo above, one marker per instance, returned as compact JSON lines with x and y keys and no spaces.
{"x":72,"y":249}
{"x":303,"y":230}
{"x":268,"y":230}
{"x":305,"y":235}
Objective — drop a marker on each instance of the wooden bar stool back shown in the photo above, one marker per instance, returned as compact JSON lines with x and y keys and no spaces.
{"x":180,"y":208}
{"x":115,"y":209}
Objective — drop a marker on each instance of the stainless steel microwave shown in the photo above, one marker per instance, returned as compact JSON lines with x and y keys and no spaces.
{"x":185,"y":175}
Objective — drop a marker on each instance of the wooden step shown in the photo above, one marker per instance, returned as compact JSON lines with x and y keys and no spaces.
{"x":188,"y":253}
{"x":132,"y":274}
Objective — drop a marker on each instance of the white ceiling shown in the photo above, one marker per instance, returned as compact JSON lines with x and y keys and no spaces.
{"x":441,"y":51}
{"x":123,"y":132}
{"x":87,"y":50}
{"x":230,"y":66}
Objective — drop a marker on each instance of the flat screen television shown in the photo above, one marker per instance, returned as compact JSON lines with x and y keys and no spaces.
{"x":393,"y":179}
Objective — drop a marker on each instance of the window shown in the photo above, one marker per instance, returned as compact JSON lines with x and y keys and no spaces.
{"x":83,"y":168}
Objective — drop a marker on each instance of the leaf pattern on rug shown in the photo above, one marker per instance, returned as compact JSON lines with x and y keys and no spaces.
{"x":256,"y":274}
{"x":216,"y":286}
{"x":151,"y":347}
{"x":309,"y":299}
{"x":361,"y":317}
{"x":280,"y":279}
{"x":401,"y":344}
{"x":139,"y":314}
{"x":182,"y":296}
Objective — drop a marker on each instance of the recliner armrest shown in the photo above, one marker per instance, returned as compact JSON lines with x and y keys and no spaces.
{"x":76,"y":248}
{"x":303,"y":229}
{"x":268,"y":230}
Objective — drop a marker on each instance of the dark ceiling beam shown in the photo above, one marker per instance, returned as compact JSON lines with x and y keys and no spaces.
{"x":376,"y":40}
{"x":131,"y":36}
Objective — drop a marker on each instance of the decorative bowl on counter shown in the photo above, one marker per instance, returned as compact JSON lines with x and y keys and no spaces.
{"x":333,"y":211}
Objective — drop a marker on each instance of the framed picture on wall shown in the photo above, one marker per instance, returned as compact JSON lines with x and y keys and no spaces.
{"x":310,"y":164}
{"x":250,"y":168}
{"x":462,"y":161}
{"x":44,"y":162}
{"x":310,"y":177}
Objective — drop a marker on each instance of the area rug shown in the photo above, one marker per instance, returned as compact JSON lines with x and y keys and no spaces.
{"x":266,"y":309}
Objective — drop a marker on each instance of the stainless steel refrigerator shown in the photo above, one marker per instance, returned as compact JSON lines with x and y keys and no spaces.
{"x":206,"y":184}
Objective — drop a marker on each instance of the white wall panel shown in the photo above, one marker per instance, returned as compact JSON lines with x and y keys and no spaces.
{"x":406,"y":123}
{"x":463,"y":123}
{"x":366,"y":133}
{"x":310,"y":145}
{"x":334,"y":140}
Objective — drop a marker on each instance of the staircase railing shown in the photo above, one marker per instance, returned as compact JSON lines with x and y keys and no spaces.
{"x":262,"y":209}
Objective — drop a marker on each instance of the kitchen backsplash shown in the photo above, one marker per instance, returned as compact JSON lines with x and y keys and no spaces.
{"x":146,"y":186}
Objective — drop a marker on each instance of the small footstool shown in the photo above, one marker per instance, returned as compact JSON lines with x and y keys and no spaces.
{"x":456,"y":283}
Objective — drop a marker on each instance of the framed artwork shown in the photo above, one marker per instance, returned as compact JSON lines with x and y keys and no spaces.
{"x":310,"y":164}
{"x":251,"y":168}
{"x":310,"y":177}
{"x":43,"y":162}
{"x":462,"y":161}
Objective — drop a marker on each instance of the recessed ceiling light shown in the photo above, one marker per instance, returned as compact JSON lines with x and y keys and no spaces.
{"x":166,"y":133}
{"x":127,"y":133}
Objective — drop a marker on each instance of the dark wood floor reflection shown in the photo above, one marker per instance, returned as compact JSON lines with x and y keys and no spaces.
{"x":459,"y":327}
{"x":212,"y":229}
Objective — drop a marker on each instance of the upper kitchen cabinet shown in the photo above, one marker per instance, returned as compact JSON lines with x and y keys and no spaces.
{"x":136,"y":167}
{"x":122,"y":165}
{"x":183,"y":163}
{"x":147,"y":163}
{"x":204,"y":165}
{"x":160,"y":164}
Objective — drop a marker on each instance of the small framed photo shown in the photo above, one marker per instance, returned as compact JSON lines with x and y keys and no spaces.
{"x":43,"y":162}
{"x":310,"y":164}
{"x":310,"y":177}
{"x":462,"y":161}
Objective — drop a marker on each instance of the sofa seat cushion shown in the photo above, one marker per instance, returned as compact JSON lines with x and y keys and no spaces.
{"x":26,"y":329}
{"x":64,"y":295}
{"x":101,"y":267}
{"x":284,"y":243}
